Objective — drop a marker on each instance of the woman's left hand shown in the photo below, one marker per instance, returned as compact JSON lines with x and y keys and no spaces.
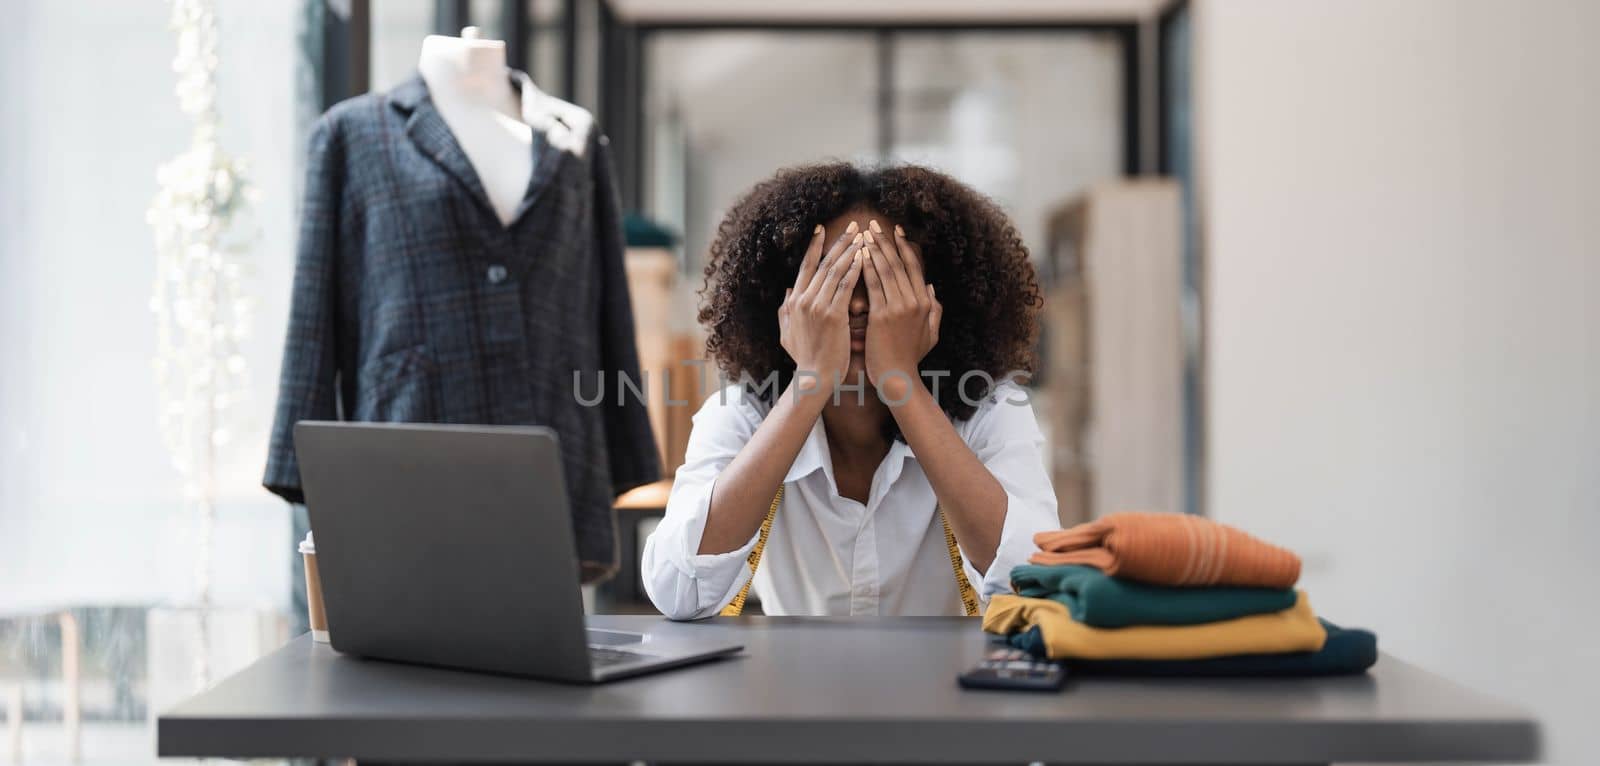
{"x":903,"y":321}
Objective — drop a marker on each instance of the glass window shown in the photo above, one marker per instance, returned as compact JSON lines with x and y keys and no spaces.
{"x":547,"y":44}
{"x":725,"y":109}
{"x":96,"y":545}
{"x":1028,"y":118}
{"x":485,"y":15}
{"x":398,"y":27}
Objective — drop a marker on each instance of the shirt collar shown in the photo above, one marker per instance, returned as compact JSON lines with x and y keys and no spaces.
{"x":814,"y":456}
{"x":563,"y":125}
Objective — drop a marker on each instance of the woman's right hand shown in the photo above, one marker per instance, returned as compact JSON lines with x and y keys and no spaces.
{"x":815,"y":330}
{"x":814,"y":320}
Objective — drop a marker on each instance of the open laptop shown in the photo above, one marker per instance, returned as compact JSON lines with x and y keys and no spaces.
{"x":453,"y":545}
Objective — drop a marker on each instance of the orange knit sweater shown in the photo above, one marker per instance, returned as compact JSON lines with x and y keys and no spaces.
{"x":1170,"y":549}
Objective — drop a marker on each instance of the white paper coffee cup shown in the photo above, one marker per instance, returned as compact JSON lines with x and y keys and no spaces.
{"x":318,"y":615}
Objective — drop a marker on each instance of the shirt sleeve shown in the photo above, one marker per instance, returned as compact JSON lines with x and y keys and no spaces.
{"x":684,"y":584}
{"x":1005,"y":436}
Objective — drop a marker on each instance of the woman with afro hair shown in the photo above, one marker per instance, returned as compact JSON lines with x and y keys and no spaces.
{"x":875,"y":452}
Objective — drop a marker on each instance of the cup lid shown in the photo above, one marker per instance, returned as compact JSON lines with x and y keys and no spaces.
{"x":308,"y":545}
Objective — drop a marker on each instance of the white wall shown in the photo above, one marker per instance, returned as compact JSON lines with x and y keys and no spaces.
{"x":1403,"y":236}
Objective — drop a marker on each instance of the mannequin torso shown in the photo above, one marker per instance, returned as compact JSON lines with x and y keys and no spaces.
{"x":467,"y":82}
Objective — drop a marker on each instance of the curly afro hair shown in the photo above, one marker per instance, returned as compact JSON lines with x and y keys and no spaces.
{"x":971,"y":251}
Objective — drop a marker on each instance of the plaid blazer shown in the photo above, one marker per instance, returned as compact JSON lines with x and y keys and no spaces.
{"x":413,"y":303}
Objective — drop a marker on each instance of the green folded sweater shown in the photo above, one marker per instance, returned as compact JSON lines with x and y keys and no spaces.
{"x":1098,"y":599}
{"x":1347,"y":651}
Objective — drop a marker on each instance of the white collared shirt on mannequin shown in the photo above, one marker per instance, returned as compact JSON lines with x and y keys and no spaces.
{"x":830,"y":555}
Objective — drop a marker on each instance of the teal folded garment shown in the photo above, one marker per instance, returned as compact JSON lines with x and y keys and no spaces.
{"x":1347,"y":651}
{"x":1098,"y":599}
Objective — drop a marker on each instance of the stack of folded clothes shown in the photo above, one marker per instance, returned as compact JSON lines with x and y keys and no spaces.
{"x":1171,"y":594}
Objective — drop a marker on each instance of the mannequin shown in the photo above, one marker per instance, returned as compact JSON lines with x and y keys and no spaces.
{"x":466,"y":78}
{"x":460,"y":260}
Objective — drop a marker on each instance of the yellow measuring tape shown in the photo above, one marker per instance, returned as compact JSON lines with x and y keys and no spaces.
{"x":969,"y":597}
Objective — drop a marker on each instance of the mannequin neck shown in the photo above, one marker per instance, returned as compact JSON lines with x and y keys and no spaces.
{"x":460,"y":69}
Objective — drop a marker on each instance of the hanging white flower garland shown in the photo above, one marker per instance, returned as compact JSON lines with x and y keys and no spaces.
{"x":201,"y":312}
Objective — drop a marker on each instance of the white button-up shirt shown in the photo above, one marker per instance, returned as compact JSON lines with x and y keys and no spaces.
{"x":828,"y":554}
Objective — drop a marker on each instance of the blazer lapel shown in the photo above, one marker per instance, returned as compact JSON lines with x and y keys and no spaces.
{"x":546,"y":159}
{"x":429,"y":132}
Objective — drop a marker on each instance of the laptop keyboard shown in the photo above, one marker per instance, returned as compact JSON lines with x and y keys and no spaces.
{"x":603,"y":657}
{"x":607,"y":637}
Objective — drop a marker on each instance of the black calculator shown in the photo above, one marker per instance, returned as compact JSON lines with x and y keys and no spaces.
{"x":1006,"y":668}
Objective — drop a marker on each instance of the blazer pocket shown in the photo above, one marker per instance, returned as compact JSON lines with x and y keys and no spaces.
{"x":397,"y":388}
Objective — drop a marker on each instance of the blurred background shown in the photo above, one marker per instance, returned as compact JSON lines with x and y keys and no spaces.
{"x":1324,"y":270}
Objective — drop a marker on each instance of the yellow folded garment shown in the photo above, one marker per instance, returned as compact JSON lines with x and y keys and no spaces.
{"x":1292,"y":630}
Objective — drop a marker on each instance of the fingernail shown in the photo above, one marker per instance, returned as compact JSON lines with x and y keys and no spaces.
{"x":869,"y":237}
{"x":852,"y":228}
{"x":898,"y":229}
{"x":855,"y":240}
{"x":817,"y":230}
{"x":874,"y":224}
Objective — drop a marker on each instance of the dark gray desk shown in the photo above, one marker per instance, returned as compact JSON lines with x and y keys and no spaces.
{"x":833,"y":690}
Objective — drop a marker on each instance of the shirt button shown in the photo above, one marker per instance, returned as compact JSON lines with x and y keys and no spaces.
{"x":497,"y":274}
